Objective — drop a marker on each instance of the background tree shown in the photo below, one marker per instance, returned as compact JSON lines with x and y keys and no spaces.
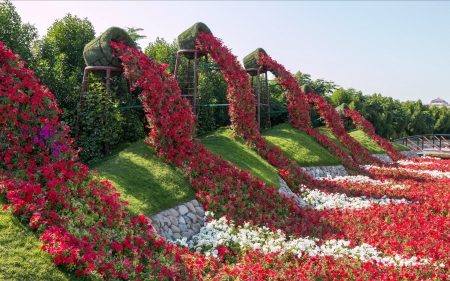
{"x":134,"y":34}
{"x":16,"y":35}
{"x":163,"y":52}
{"x":60,"y":63}
{"x":341,"y":96}
{"x":319,"y":86}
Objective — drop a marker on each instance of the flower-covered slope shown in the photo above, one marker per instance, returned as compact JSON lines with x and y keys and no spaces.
{"x":85,"y":226}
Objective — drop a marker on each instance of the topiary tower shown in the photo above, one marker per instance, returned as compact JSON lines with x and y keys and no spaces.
{"x":188,"y":80}
{"x":260,"y":91}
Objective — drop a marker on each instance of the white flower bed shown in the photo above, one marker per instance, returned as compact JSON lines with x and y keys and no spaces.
{"x":409,"y":162}
{"x":320,"y":200}
{"x":363,"y":179}
{"x":221,"y":232}
{"x":433,"y":173}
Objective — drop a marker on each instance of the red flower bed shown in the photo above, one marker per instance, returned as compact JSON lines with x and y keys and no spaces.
{"x":83,"y":222}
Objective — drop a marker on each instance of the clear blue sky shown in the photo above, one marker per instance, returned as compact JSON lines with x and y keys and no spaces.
{"x":398,"y":49}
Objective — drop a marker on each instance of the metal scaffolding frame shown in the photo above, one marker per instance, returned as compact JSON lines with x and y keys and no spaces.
{"x":262,"y":93}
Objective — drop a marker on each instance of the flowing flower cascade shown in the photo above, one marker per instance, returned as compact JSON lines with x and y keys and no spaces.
{"x":361,"y":123}
{"x":333,"y":121}
{"x":242,"y":105}
{"x":82,"y":219}
{"x":221,"y":186}
{"x":298,"y":107}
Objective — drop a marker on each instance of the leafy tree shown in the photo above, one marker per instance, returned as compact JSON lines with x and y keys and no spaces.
{"x":319,"y":86}
{"x":163,"y":52}
{"x":341,"y":96}
{"x":16,"y":35}
{"x":134,"y":34}
{"x":60,"y":63}
{"x":442,"y":119}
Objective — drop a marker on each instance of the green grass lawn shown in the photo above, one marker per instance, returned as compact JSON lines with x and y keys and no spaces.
{"x":401,"y":147}
{"x":324,"y":130}
{"x":148,"y":183}
{"x":236,"y":151}
{"x":367,"y":142}
{"x":299,"y":146}
{"x":21,"y":257}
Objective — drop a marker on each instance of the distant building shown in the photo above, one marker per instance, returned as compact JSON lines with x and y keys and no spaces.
{"x":439,"y":103}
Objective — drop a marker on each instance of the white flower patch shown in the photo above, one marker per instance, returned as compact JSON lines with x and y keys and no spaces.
{"x":409,"y":162}
{"x":433,"y":173}
{"x":363,"y":179}
{"x":320,"y":200}
{"x":224,"y":233}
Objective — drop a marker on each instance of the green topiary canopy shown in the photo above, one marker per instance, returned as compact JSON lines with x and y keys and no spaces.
{"x":186,"y":40}
{"x":98,"y":52}
{"x":306,"y":88}
{"x":250,"y":60}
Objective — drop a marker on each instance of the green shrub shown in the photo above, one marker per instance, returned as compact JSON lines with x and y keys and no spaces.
{"x":102,"y":129}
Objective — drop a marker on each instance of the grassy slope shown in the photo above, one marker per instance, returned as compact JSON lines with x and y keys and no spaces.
{"x":324,"y":130}
{"x":148,"y":183}
{"x":236,"y":151}
{"x":401,"y":147}
{"x":21,"y":257}
{"x":299,"y":146}
{"x":367,"y":142}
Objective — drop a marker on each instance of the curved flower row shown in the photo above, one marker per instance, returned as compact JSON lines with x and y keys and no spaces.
{"x":242,"y":105}
{"x":298,"y":107}
{"x":361,"y":123}
{"x":333,"y":121}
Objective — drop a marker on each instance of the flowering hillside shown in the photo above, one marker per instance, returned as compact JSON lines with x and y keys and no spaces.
{"x":390,"y":224}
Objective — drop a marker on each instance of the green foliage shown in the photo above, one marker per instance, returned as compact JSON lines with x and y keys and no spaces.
{"x":163,"y":52}
{"x":401,"y":147}
{"x":59,"y":62}
{"x":237,"y":151}
{"x":148,"y":183}
{"x":319,"y":86}
{"x":212,"y":89}
{"x":341,"y":96}
{"x":299,"y":146}
{"x":21,"y":257}
{"x":102,"y":128}
{"x":277,"y":103}
{"x":442,"y":119}
{"x":133,"y":32}
{"x":16,"y":35}
{"x":367,"y":142}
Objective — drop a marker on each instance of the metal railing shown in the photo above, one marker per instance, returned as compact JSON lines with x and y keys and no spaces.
{"x":428,"y":143}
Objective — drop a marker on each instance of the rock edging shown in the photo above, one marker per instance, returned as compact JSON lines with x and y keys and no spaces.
{"x":410,"y":154}
{"x":324,"y":171}
{"x":384,"y":157}
{"x":184,"y":220}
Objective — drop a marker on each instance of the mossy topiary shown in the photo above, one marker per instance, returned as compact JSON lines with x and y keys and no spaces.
{"x":250,"y":60}
{"x":187,"y":39}
{"x":98,"y":52}
{"x":306,"y":88}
